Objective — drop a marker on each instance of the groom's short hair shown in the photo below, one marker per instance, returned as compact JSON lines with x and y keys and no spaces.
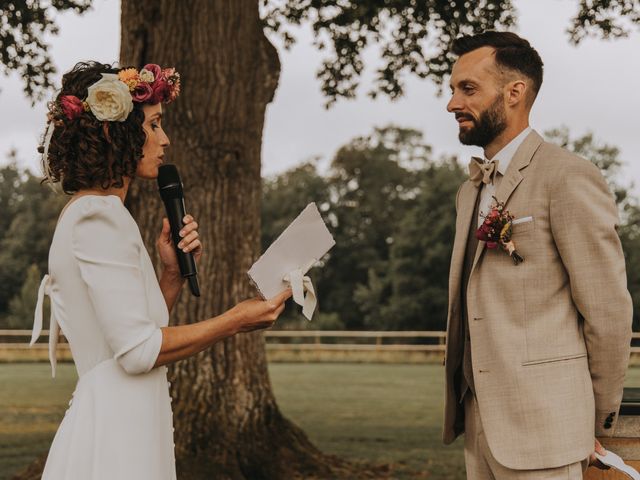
{"x":511,"y":52}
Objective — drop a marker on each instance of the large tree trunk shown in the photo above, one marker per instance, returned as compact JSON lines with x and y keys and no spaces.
{"x":227,"y":423}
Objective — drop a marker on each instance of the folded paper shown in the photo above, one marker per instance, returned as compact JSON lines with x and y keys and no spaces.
{"x":285,"y":263}
{"x":614,"y":461}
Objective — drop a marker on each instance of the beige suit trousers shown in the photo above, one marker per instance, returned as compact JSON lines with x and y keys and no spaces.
{"x":481,"y":465}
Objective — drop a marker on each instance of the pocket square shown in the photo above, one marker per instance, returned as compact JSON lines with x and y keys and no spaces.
{"x":521,"y":220}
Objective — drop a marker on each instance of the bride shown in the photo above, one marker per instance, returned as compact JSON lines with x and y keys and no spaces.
{"x":104,"y":130}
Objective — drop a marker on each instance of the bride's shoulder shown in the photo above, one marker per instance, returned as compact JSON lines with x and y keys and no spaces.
{"x":102,"y":224}
{"x":95,"y":206}
{"x":98,"y":211}
{"x":100,"y":203}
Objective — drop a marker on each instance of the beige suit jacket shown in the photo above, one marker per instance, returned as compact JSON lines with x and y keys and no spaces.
{"x":550,"y":337}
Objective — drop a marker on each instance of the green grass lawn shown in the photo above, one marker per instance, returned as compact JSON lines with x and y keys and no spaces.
{"x":383,"y":413}
{"x":375,"y":412}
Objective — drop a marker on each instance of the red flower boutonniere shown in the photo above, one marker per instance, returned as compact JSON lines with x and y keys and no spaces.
{"x":496,"y":230}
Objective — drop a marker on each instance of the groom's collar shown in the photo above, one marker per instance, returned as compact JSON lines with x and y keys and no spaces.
{"x":519,"y":161}
{"x":505,"y":155}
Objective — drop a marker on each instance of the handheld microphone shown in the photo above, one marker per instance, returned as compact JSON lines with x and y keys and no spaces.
{"x":173,"y":197}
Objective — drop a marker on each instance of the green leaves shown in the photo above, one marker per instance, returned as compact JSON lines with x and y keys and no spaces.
{"x":391,"y":209}
{"x":23,"y":304}
{"x":413,"y":37}
{"x":30,"y":211}
{"x":604,"y":18}
{"x":24,"y":26}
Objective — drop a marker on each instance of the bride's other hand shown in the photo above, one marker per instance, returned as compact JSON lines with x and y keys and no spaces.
{"x":256,"y":314}
{"x":189,"y":243}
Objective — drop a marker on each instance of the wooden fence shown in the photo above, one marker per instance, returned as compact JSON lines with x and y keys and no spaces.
{"x":296,"y":345}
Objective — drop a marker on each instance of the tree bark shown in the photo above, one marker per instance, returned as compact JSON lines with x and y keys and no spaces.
{"x":227,"y":423}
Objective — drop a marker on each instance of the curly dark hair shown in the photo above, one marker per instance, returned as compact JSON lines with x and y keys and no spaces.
{"x":88,"y":153}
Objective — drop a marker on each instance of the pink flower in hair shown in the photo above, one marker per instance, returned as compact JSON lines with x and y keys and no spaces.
{"x":173,"y":79}
{"x":160,"y":90}
{"x":72,"y":106}
{"x":174,"y":91}
{"x":142,"y":92}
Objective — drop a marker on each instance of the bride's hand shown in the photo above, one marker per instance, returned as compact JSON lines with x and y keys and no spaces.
{"x":256,"y":314}
{"x":189,"y":243}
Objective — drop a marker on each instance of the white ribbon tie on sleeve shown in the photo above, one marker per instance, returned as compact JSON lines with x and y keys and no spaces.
{"x":54,"y":329}
{"x":303,"y":292}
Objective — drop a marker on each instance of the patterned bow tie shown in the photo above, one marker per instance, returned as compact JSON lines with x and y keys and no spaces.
{"x":481,"y":171}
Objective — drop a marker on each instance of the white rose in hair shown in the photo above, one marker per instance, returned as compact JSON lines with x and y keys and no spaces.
{"x":109,"y":99}
{"x":146,"y":76}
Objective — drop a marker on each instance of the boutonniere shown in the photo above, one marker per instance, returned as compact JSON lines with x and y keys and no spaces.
{"x":496,"y":230}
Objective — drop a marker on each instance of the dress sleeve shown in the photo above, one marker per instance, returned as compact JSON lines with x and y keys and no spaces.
{"x":108,"y":254}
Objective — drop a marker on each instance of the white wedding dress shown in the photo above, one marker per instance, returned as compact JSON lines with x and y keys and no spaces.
{"x":106,"y":299}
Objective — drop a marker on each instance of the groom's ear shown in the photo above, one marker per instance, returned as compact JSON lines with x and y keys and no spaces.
{"x":517,"y":93}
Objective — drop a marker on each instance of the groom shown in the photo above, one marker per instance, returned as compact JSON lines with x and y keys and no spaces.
{"x":536,"y":351}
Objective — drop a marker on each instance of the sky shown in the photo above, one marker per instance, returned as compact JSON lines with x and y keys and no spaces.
{"x":593,"y":87}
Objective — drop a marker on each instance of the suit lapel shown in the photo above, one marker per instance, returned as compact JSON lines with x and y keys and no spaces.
{"x":512,"y":178}
{"x":520,"y":160}
{"x":466,"y":204}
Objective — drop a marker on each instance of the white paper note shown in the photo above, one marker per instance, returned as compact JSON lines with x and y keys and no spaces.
{"x":614,"y":461}
{"x":305,"y":241}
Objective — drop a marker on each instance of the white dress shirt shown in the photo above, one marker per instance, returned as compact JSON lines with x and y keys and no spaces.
{"x":504,"y":157}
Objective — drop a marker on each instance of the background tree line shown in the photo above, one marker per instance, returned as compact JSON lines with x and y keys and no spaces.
{"x":391,"y":208}
{"x":388,"y":202}
{"x":373,"y":274}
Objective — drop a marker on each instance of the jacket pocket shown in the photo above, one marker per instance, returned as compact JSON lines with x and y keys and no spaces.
{"x":555,"y":359}
{"x":519,"y":228}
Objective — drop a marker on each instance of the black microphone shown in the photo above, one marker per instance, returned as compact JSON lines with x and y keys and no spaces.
{"x":171,"y":192}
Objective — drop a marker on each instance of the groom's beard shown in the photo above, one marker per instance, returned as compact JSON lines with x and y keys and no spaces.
{"x":487,"y":127}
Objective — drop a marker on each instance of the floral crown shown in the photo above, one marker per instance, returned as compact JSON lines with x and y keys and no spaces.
{"x":111,"y":98}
